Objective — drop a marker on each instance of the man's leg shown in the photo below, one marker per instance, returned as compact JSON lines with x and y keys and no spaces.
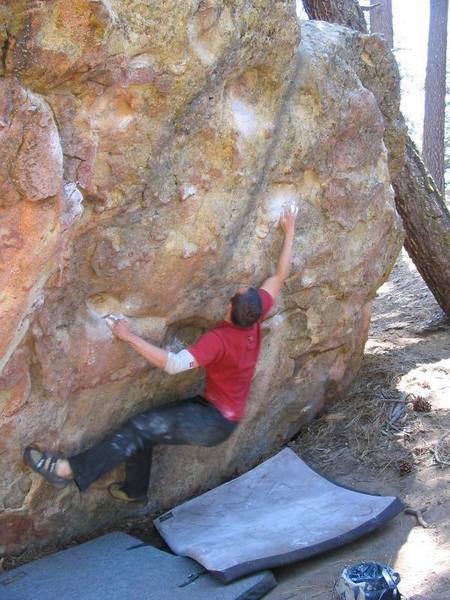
{"x":137,"y":473}
{"x":90,"y":465}
{"x":190,"y":422}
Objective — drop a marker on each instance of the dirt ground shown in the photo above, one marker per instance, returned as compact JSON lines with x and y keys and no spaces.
{"x":379,"y":440}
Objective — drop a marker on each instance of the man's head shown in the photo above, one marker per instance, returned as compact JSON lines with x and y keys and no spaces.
{"x":246,"y":307}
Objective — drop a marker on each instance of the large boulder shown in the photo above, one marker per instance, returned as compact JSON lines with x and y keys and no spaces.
{"x":147,"y":149}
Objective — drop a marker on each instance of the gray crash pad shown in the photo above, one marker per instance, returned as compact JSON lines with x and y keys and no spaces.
{"x":279,"y":512}
{"x":108,"y":568}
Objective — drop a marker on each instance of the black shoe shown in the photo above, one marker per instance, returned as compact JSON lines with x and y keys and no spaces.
{"x":118,"y":493}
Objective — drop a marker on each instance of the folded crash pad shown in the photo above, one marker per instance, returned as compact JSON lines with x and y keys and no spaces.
{"x":108,"y":568}
{"x":279,"y":512}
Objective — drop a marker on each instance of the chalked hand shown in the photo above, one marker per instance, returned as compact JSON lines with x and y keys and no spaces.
{"x":288,"y":217}
{"x":118,"y":325}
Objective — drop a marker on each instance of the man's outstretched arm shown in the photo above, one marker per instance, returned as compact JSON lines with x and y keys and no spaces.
{"x":157,"y":357}
{"x":287,"y":222}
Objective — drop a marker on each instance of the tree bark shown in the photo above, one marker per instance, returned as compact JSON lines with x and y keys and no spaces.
{"x":342,"y":12}
{"x":425,"y":216}
{"x":381,"y":20}
{"x":433,"y":149}
{"x":427,"y":224}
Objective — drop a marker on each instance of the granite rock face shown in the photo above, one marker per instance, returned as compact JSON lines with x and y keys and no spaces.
{"x":146,"y":152}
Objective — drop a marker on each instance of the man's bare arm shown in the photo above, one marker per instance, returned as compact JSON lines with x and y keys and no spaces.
{"x":157,"y":357}
{"x":274,"y":283}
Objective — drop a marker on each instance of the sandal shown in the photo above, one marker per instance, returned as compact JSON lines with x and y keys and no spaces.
{"x":118,"y":493}
{"x":44,"y":463}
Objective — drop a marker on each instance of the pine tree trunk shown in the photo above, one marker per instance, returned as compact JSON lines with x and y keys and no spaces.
{"x":425,"y":216}
{"x":342,"y":12}
{"x":433,"y":150}
{"x":427,"y":224}
{"x":381,"y":20}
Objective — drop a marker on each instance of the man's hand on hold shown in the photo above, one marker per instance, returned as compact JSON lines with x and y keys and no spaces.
{"x":273,"y":284}
{"x":156,"y":356}
{"x":119,"y":326}
{"x":288,"y":218}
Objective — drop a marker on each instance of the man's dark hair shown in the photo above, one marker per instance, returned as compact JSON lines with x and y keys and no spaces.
{"x":246,"y":307}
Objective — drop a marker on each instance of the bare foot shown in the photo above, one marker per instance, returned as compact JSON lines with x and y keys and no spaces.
{"x":63,"y":469}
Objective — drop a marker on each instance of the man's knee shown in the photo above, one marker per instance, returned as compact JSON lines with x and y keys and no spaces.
{"x":218,"y":437}
{"x":151,"y":424}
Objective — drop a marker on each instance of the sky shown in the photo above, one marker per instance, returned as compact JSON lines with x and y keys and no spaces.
{"x":410,"y":47}
{"x":411,"y":19}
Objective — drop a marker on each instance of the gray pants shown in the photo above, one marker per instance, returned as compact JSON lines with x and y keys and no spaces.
{"x":193,"y":422}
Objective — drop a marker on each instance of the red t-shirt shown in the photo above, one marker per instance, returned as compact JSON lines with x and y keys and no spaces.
{"x":229,"y":354}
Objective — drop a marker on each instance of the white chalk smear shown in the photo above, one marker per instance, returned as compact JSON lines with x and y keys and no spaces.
{"x":73,"y":204}
{"x":201,"y":49}
{"x":280,"y":198}
{"x":245,"y":117}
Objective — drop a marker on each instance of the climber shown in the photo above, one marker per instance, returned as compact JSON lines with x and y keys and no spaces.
{"x":228,"y":352}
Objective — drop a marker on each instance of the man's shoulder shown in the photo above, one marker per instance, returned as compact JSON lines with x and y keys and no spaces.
{"x":266,"y":300}
{"x":208,"y":348}
{"x":211,"y":338}
{"x":214,"y":334}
